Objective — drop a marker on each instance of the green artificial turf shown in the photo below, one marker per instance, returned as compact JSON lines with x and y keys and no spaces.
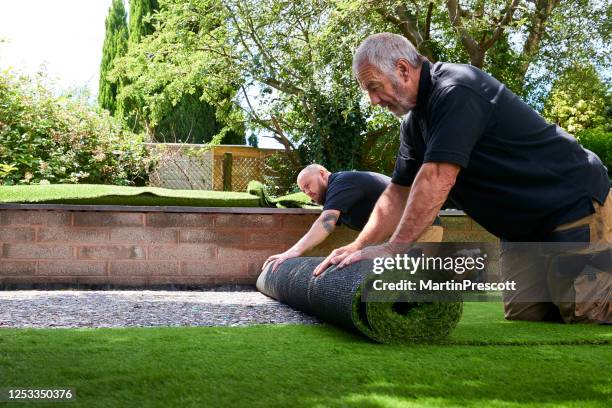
{"x":294,"y":200}
{"x":98,"y":194}
{"x":316,"y":366}
{"x":122,"y":195}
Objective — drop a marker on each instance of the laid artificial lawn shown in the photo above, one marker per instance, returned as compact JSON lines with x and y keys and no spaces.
{"x":540,"y":365}
{"x":98,"y":194}
{"x":122,"y":195}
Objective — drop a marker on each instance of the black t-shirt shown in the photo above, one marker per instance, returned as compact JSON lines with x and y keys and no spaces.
{"x":521,"y":176}
{"x":354,"y":194}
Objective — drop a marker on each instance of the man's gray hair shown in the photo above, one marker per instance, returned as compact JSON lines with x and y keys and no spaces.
{"x":383,"y":50}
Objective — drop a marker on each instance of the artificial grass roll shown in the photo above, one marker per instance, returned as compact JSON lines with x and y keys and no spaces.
{"x":294,"y":200}
{"x":336,"y":296}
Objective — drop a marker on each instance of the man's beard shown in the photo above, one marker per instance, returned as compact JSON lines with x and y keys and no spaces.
{"x":321,"y":196}
{"x":403,"y":104}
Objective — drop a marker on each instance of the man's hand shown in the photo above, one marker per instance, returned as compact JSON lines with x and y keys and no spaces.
{"x":278,"y":259}
{"x":386,"y":250}
{"x":336,"y":257}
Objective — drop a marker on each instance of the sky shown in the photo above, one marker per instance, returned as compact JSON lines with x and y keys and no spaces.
{"x":64,"y":37}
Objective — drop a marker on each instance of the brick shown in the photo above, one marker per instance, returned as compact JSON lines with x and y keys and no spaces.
{"x":216,"y":236}
{"x":298,"y":221}
{"x":144,"y":268}
{"x":111,"y":252}
{"x":35,"y":217}
{"x":32,"y":251}
{"x":183,"y":251}
{"x":71,"y":268}
{"x":17,"y":268}
{"x":244,"y":280}
{"x":100,"y":282}
{"x":107,"y":219}
{"x":71,"y":234}
{"x":236,"y":268}
{"x":168,"y":220}
{"x":144,"y":234}
{"x":129,"y":281}
{"x":201,"y":280}
{"x":247,"y":221}
{"x":21,"y":234}
{"x":257,"y":255}
{"x":456,"y":222}
{"x":41,"y":282}
{"x":253,"y":269}
{"x":281,"y":237}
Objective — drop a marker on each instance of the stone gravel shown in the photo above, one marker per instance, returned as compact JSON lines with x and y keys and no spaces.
{"x":142,"y":308}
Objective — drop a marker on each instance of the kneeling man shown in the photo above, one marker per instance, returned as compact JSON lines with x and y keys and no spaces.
{"x":348,"y":197}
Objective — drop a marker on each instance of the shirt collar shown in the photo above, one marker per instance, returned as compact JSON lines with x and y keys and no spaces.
{"x":424,"y":86}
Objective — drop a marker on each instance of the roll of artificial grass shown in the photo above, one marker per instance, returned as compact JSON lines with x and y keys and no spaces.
{"x":337,"y":297}
{"x":294,"y":200}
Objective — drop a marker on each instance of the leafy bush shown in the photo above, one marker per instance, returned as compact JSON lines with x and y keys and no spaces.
{"x":280,"y":174}
{"x":599,"y":141}
{"x":47,"y":139}
{"x":577,"y":100}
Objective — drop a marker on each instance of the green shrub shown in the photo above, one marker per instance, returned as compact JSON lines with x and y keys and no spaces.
{"x":47,"y":139}
{"x":280,"y":174}
{"x":599,"y":141}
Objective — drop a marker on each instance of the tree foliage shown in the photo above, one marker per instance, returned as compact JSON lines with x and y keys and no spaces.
{"x":185,"y":118}
{"x":290,"y":61}
{"x":115,"y":45}
{"x":140,"y":14}
{"x":578,"y":100}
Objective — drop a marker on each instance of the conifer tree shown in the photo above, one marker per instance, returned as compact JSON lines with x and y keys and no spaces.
{"x":115,"y":45}
{"x":139,"y":12}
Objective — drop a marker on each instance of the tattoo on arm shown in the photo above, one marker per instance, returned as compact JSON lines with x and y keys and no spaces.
{"x":329,"y":222}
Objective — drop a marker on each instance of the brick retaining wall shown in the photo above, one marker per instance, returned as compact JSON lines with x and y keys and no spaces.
{"x":149,"y":247}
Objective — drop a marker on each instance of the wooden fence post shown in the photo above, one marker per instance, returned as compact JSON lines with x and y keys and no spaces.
{"x":227,"y":172}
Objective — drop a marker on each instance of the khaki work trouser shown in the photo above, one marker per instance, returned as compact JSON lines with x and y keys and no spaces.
{"x":590,"y":287}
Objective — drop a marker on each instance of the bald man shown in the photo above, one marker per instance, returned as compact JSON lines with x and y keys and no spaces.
{"x":348,"y":197}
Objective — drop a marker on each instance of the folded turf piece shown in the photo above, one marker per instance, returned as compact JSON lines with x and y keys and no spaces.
{"x":336,"y":297}
{"x":98,"y":194}
{"x":295,"y":200}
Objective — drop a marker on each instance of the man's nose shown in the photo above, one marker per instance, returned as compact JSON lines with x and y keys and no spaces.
{"x":374,"y":99}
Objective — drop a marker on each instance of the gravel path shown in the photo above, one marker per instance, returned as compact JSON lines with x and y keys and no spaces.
{"x":142,"y":308}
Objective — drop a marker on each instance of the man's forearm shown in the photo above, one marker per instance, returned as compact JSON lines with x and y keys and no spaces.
{"x":385,"y":216}
{"x":318,"y":232}
{"x":430,"y":190}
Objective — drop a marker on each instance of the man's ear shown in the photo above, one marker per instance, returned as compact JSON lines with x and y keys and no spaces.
{"x":404,"y":68}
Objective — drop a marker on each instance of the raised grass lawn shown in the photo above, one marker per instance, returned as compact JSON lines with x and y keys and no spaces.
{"x":488,"y":362}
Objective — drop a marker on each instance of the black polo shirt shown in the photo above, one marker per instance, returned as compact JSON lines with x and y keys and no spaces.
{"x":521,"y":176}
{"x":354,"y":194}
